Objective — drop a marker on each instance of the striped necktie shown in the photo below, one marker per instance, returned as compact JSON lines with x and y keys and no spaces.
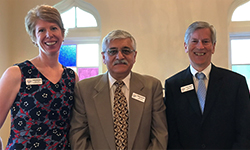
{"x":201,"y":92}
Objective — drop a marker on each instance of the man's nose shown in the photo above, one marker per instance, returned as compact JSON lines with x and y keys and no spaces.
{"x":119,"y":55}
{"x":200,"y":45}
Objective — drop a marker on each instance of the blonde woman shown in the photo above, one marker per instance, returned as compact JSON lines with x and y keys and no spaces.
{"x":39,"y":91}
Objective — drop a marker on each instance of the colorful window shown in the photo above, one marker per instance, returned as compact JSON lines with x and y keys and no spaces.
{"x":81,"y":48}
{"x":82,"y":58}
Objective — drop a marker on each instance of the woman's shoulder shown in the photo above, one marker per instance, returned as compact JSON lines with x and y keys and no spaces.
{"x":24,"y":63}
{"x":12,"y":72}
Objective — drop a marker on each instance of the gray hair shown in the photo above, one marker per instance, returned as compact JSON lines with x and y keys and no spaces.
{"x":200,"y":25}
{"x":117,"y":34}
{"x":42,"y":12}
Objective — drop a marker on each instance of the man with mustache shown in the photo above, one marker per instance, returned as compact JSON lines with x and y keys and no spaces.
{"x":208,"y":112}
{"x":119,"y":109}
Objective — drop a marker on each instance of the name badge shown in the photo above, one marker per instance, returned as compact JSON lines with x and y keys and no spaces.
{"x":34,"y":81}
{"x":187,"y":88}
{"x":138,"y":97}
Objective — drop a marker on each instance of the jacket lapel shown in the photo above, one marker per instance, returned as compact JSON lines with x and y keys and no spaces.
{"x":135,"y":108}
{"x":214,"y":88}
{"x":104,"y":110}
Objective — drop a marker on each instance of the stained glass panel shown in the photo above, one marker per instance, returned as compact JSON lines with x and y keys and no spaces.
{"x":67,"y":56}
{"x":84,"y":73}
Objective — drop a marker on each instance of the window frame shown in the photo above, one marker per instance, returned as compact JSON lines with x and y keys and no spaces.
{"x":82,"y":35}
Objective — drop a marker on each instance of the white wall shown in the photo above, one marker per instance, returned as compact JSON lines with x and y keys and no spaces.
{"x":159,"y":27}
{"x":4,"y":54}
{"x":4,"y":36}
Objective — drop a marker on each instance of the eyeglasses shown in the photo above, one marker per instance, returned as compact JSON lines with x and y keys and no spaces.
{"x":114,"y":51}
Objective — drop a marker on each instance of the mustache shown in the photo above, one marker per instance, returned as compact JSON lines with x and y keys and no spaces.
{"x":122,"y":61}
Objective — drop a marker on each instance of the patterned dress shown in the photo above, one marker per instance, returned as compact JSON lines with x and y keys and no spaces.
{"x":40,"y":113}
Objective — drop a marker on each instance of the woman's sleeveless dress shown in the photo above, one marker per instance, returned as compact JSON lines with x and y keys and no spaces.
{"x":40,"y":114}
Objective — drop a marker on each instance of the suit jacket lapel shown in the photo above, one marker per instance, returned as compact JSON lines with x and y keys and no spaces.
{"x":191,"y":95}
{"x":214,"y":87}
{"x":135,"y":108}
{"x":103,"y":107}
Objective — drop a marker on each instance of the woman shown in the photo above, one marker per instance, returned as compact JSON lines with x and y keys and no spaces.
{"x":39,"y":91}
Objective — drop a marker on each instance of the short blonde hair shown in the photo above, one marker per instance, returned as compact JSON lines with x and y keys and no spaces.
{"x":42,"y":12}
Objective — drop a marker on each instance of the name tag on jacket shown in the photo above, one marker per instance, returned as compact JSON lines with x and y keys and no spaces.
{"x":138,"y":97}
{"x":187,"y":88}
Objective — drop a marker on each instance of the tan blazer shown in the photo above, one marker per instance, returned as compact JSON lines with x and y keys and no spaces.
{"x":92,"y":117}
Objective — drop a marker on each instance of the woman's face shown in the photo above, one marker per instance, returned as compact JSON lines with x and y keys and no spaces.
{"x":49,"y":37}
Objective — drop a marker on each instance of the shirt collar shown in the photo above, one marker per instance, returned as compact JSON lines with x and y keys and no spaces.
{"x":126,"y":80}
{"x":206,"y":71}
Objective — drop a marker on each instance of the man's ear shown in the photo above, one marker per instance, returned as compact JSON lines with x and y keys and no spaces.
{"x":135,"y":56}
{"x":103,"y":58}
{"x":213,"y":48}
{"x":186,"y":47}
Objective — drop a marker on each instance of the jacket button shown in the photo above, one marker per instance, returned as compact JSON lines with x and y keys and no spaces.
{"x":203,"y":146}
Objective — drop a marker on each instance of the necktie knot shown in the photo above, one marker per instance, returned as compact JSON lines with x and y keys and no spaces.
{"x":200,"y":76}
{"x":119,"y":83}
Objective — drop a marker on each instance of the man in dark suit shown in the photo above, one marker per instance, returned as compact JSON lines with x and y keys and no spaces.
{"x":218,"y":117}
{"x":141,"y":120}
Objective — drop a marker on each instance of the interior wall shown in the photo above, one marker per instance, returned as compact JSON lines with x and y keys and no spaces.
{"x":157,"y":25}
{"x":4,"y":36}
{"x":4,"y":55}
{"x":23,"y":48}
{"x":159,"y":28}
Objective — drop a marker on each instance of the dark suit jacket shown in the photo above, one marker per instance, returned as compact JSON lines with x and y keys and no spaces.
{"x":92,"y":117}
{"x":225,"y":123}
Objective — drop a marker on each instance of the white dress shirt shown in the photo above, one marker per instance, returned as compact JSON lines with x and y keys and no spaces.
{"x":206,"y":71}
{"x":125,"y":88}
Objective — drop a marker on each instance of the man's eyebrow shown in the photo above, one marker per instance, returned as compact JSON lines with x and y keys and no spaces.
{"x":113,"y":48}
